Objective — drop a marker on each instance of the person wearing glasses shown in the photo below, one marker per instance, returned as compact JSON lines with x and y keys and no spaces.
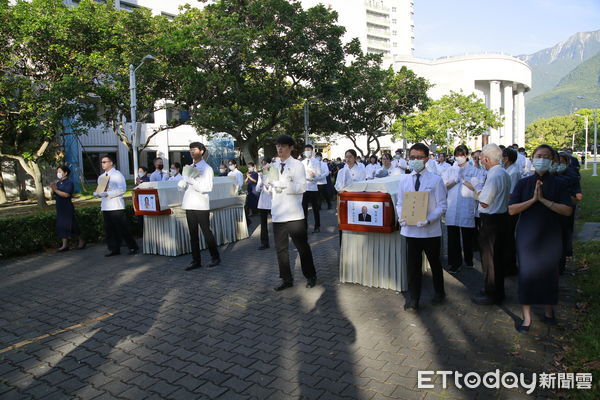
{"x":425,"y":236}
{"x":288,"y":215}
{"x":116,"y":226}
{"x":540,"y":201}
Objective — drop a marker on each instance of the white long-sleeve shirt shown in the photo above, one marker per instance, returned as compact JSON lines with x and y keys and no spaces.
{"x":461,"y":202}
{"x":370,"y":170}
{"x":324,"y":174}
{"x":198,"y":188}
{"x":400,"y":163}
{"x":117,"y":186}
{"x":436,"y":205}
{"x":159,"y":175}
{"x":288,"y":190}
{"x":312,"y":166}
{"x":347,"y":176}
{"x":239,"y":178}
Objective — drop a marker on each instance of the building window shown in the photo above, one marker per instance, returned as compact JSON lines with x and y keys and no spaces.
{"x":395,"y":44}
{"x":394,"y":21}
{"x":128,"y":6}
{"x":394,"y":33}
{"x":91,"y":163}
{"x":394,"y":9}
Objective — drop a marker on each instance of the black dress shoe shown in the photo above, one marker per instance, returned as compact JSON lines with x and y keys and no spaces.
{"x":438,"y":298}
{"x":133,"y":251}
{"x":523,"y":328}
{"x":283,"y":286}
{"x":214,"y":262}
{"x":310,"y":283}
{"x":112,"y":253}
{"x":193,"y":265}
{"x":411,"y":306}
{"x":263,"y":246}
{"x":317,"y":230}
{"x":483,"y":300}
{"x":550,"y":320}
{"x":62,"y":250}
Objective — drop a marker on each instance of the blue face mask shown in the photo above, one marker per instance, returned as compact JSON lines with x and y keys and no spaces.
{"x":541,"y":164}
{"x":561,"y":168}
{"x":416,"y":165}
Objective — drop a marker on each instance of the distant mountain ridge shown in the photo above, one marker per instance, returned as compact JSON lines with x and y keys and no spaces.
{"x":550,"y":65}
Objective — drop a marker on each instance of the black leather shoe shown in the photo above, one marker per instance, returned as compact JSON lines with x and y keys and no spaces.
{"x":411,"y":306}
{"x":438,"y":299}
{"x":193,"y":265}
{"x":112,"y":253}
{"x":133,"y":251}
{"x":317,"y":230}
{"x":62,"y":250}
{"x":263,"y":247}
{"x":483,"y":300}
{"x":310,"y":283}
{"x":523,"y":328}
{"x":550,"y":320}
{"x":214,"y":262}
{"x":283,"y":286}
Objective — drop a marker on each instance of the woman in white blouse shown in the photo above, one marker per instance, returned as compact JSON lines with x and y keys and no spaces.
{"x":460,"y":215}
{"x":175,"y":172}
{"x":388,"y":167}
{"x":372,"y":167}
{"x":352,"y":172}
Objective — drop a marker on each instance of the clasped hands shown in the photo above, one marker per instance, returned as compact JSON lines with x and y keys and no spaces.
{"x":419,"y":224}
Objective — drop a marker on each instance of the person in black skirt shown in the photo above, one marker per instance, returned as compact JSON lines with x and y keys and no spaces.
{"x":540,"y":200}
{"x":66,"y":225}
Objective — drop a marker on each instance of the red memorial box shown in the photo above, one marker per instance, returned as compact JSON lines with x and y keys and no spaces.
{"x":147,"y":202}
{"x":367,"y":212}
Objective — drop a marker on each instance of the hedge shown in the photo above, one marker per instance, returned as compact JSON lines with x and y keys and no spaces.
{"x":33,"y":233}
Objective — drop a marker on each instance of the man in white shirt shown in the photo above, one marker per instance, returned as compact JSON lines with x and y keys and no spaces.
{"x":116,"y":226}
{"x":322,"y":183}
{"x":399,"y":161}
{"x":493,"y":213}
{"x":426,"y":235}
{"x":197,"y":207}
{"x":159,"y":174}
{"x":237,"y":174}
{"x":442,"y":165}
{"x":312,"y":166}
{"x":288,"y":216}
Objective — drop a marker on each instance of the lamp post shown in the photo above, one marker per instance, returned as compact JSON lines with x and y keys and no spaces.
{"x":133,"y":109}
{"x":586,"y":140}
{"x":595,"y":167}
{"x":306,"y":121}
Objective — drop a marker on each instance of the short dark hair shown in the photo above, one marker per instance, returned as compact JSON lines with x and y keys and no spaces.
{"x":109,"y":157}
{"x":502,"y":146}
{"x":251,"y":164}
{"x":510,"y":153}
{"x":233,"y":162}
{"x":65,"y":168}
{"x":351,"y":151}
{"x":462,"y":149}
{"x":158,"y":158}
{"x":285,"y":140}
{"x":177,"y":165}
{"x":198,"y":145}
{"x":319,"y":154}
{"x":309,"y":146}
{"x":399,"y":151}
{"x":387,"y":156}
{"x":420,"y":147}
{"x":143,"y":168}
{"x":522,"y":149}
{"x":267,"y":160}
{"x":544,"y":146}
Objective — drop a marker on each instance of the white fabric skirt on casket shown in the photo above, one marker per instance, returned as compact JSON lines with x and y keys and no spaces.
{"x":168,"y":235}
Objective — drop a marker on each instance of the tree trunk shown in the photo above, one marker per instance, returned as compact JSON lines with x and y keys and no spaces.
{"x":249,"y":151}
{"x":21,"y":177}
{"x":39,"y":186}
{"x":3,"y":198}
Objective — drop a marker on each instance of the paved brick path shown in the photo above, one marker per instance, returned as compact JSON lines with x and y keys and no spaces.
{"x":150,"y":330}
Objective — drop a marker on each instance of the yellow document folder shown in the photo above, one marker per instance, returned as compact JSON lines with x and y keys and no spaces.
{"x":414,"y":207}
{"x":103,"y":184}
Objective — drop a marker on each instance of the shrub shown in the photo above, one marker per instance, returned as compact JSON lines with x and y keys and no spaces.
{"x":32,"y":233}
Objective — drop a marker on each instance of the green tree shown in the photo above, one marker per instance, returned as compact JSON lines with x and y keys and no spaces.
{"x":455,"y":117}
{"x":42,"y":83}
{"x":558,"y":131}
{"x":368,"y":98}
{"x":241,"y":66}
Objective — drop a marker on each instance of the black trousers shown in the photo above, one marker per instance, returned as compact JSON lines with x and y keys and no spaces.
{"x":325,"y":194}
{"x":510,"y":254}
{"x":314,"y":199}
{"x":264,"y":227}
{"x":492,"y":244}
{"x":456,"y":250}
{"x":415,"y":247}
{"x":297,"y":231}
{"x":202,"y":218}
{"x":117,"y":228}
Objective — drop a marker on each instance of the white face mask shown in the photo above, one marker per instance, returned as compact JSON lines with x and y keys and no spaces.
{"x":416,"y":165}
{"x":231,"y":167}
{"x":59,"y":175}
{"x":461,"y":160}
{"x":173,"y":172}
{"x":307,"y":154}
{"x":541,"y":164}
{"x":250,"y":169}
{"x":141,"y":174}
{"x":222,"y":170}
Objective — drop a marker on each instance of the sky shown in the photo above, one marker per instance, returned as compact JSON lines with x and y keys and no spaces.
{"x":514,"y":27}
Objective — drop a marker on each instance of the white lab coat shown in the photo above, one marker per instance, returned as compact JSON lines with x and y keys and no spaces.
{"x":370,"y":170}
{"x":312,"y":165}
{"x":347,"y":176}
{"x":198,"y":188}
{"x":461,"y":201}
{"x":287,"y":192}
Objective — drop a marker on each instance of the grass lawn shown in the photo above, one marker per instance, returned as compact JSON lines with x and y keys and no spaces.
{"x":583,"y":353}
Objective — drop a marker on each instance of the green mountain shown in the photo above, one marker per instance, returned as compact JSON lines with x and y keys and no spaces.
{"x":583,"y":81}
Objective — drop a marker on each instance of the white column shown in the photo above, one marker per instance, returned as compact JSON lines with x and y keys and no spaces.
{"x":509,"y":135}
{"x":494,"y":104}
{"x":520,"y":116}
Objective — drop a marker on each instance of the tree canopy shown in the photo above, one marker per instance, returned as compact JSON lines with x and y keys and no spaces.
{"x":559,"y":131}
